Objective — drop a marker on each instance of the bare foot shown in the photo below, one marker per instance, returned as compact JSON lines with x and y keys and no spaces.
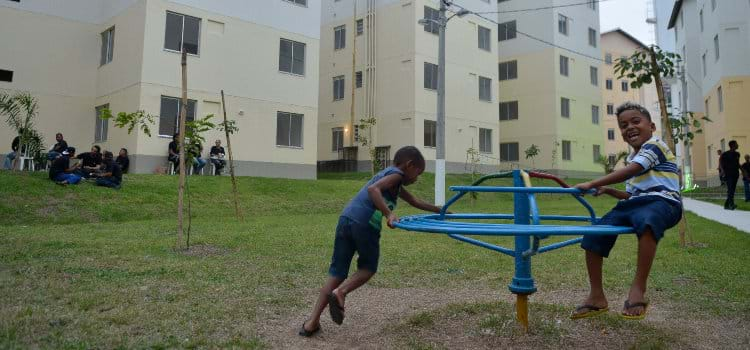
{"x":636,"y":303}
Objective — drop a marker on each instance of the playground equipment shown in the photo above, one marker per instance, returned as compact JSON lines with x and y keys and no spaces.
{"x":526,"y":227}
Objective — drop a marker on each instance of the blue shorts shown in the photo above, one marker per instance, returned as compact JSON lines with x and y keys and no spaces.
{"x":640,"y":213}
{"x":351,"y":237}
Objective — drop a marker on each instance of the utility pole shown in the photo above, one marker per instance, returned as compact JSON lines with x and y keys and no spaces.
{"x":687,"y":166}
{"x":440,"y":149}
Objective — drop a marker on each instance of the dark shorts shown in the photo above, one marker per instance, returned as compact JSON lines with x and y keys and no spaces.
{"x":351,"y":237}
{"x":641,"y":213}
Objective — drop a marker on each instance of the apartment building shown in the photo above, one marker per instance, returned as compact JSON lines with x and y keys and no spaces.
{"x":550,"y":86}
{"x":124,"y":55}
{"x":378,"y":62}
{"x":618,"y":44}
{"x":715,"y":39}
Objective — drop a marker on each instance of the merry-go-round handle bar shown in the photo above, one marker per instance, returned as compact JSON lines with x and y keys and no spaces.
{"x":571,"y":190}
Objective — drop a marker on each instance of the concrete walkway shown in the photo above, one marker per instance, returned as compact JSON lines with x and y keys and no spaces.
{"x":738,"y":219}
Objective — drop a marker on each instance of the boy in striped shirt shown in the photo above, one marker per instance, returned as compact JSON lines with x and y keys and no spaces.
{"x":651,"y":204}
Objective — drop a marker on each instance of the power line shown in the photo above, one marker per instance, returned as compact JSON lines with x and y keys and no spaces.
{"x":545,"y":7}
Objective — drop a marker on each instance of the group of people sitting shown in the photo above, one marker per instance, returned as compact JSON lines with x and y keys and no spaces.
{"x":194,"y":154}
{"x":104,"y":168}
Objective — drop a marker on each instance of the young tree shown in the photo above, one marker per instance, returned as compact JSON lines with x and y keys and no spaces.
{"x":532,"y":152}
{"x":366,"y":125}
{"x":609,"y":166}
{"x":20,"y":110}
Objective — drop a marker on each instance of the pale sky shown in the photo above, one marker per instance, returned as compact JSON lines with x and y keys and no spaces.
{"x":628,"y":15}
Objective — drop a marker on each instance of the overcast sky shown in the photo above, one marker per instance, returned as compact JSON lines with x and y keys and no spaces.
{"x":628,"y":15}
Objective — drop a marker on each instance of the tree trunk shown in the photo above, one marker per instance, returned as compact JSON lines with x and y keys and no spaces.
{"x":237,"y":210}
{"x":181,"y":139}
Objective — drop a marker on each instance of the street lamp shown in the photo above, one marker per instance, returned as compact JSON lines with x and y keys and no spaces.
{"x":441,"y":22}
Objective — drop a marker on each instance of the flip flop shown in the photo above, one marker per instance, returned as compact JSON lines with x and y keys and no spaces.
{"x":305,"y":333}
{"x":593,"y":311}
{"x":337,"y":311}
{"x":628,"y":305}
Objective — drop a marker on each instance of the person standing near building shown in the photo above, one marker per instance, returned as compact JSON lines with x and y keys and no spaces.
{"x":729,"y":163}
{"x":746,"y":176}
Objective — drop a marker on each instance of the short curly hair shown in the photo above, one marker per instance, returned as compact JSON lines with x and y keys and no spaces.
{"x":632,"y":106}
{"x":408,"y":153}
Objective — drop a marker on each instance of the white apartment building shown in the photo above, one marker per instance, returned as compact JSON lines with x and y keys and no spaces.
{"x":79,"y":56}
{"x":550,"y":86}
{"x":715,"y":39}
{"x":395,"y":81}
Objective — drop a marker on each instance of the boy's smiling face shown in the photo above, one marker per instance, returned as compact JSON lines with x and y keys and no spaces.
{"x":635,"y":128}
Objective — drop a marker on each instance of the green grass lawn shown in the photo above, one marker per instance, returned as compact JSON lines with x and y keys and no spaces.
{"x":89,"y":267}
{"x":718,"y":195}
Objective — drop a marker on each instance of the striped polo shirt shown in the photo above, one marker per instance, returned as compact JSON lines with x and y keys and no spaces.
{"x":660,"y":175}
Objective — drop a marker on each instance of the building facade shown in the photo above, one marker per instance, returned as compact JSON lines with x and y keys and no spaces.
{"x":124,"y":55}
{"x":394,"y":83}
{"x":551,"y":97}
{"x":715,"y":36}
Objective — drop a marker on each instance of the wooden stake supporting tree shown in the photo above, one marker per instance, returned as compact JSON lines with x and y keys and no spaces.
{"x":230,"y":128}
{"x":650,"y":65}
{"x":179,"y":244}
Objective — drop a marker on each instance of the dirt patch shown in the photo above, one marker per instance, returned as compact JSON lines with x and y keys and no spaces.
{"x":204,"y":250}
{"x":382,"y":318}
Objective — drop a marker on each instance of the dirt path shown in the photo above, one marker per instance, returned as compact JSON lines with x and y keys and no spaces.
{"x":372,"y":312}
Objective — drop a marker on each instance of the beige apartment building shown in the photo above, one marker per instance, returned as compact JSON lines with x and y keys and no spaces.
{"x":395,"y":82}
{"x":125,"y":55}
{"x":617,"y":44}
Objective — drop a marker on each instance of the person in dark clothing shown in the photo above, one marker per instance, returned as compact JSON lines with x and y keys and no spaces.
{"x":730,"y":167}
{"x":61,"y":172}
{"x":90,"y":162}
{"x":721,"y":172}
{"x":174,"y":153}
{"x":217,"y":157}
{"x":746,"y":176}
{"x":123,"y":161}
{"x":111,"y":174}
{"x":195,"y":154}
{"x":8,"y":164}
{"x":58,"y":148}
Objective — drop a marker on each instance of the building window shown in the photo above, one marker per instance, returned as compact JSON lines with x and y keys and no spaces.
{"x":506,"y":31}
{"x":508,"y":70}
{"x":608,"y":58}
{"x":565,"y":107}
{"x":339,"y":37}
{"x":338,"y":88}
{"x":358,"y":79}
{"x":566,"y":154}
{"x":611,"y":134}
{"x":595,"y":114}
{"x":610,"y":109}
{"x":485,"y":89}
{"x":483,"y":37}
{"x":710,"y":157}
{"x":298,"y":2}
{"x":596,"y":152}
{"x":609,"y":84}
{"x":356,"y":133}
{"x":700,"y":19}
{"x":289,"y":129}
{"x":716,"y":46}
{"x":434,"y":15}
{"x":292,"y":57}
{"x":430,"y":76}
{"x":182,"y":33}
{"x":101,"y":125}
{"x":169,"y":115}
{"x":562,"y":24}
{"x":485,"y":140}
{"x":624,"y":85}
{"x":594,"y":73}
{"x":509,"y":152}
{"x":707,"y":104}
{"x":108,"y":46}
{"x":564,"y":65}
{"x":720,"y":99}
{"x":509,"y":110}
{"x":360,"y":27}
{"x":430,"y":133}
{"x":592,"y":4}
{"x":337,"y":139}
{"x":6,"y":75}
{"x":703,"y":63}
{"x":592,"y":37}
{"x":713,"y":5}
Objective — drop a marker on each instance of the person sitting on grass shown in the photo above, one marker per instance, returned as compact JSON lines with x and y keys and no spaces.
{"x":111,"y":173}
{"x":651,"y":204}
{"x":90,"y":162}
{"x":60,"y":172}
{"x":358,"y":230}
{"x":123,"y":161}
